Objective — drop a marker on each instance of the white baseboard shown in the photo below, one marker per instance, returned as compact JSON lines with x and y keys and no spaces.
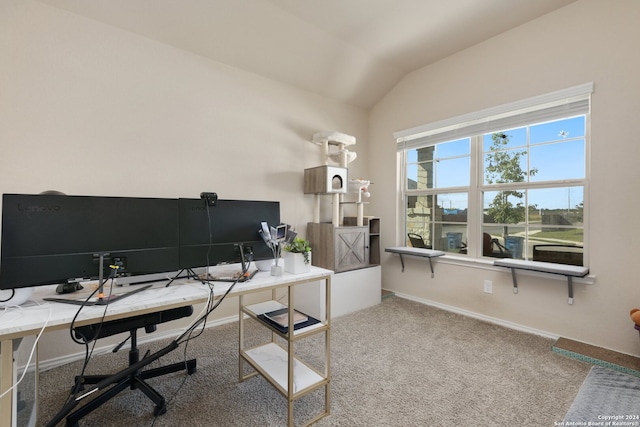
{"x":479,"y":316}
{"x":45,"y":365}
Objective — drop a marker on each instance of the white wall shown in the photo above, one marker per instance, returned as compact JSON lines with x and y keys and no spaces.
{"x":89,"y":109}
{"x":589,"y":40}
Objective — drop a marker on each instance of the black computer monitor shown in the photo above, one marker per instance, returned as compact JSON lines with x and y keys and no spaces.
{"x":50,"y":239}
{"x":210,"y":235}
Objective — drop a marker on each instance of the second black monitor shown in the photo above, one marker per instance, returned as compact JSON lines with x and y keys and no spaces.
{"x":210,"y":235}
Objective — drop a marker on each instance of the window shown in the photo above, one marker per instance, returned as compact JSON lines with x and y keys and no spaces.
{"x":508,"y":182}
{"x":438,"y":179}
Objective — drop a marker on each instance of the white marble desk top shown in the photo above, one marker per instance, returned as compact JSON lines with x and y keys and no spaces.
{"x":29,"y":318}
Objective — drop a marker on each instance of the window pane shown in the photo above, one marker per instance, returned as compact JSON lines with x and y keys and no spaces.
{"x":493,"y":242}
{"x":506,"y":241}
{"x":439,"y":166}
{"x":564,"y":246}
{"x":513,"y":138}
{"x":557,"y":130}
{"x":453,"y":173}
{"x":452,"y":207}
{"x":427,"y":216}
{"x":420,"y":216}
{"x":505,"y":166}
{"x":419,"y":208}
{"x":418,"y":234}
{"x":564,"y":160}
{"x":451,"y":238}
{"x":412,"y":156}
{"x":557,"y":235}
{"x":504,"y":207}
{"x":561,"y":254}
{"x":420,"y":176}
{"x":557,"y":206}
{"x":457,"y":148}
{"x":425,"y":154}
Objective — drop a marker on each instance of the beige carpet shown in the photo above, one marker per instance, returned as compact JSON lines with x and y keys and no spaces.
{"x":400,"y":363}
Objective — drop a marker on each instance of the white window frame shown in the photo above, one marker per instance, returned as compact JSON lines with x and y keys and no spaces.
{"x":556,"y":105}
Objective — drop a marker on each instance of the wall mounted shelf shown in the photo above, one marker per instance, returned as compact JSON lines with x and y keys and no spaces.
{"x":417,"y":252}
{"x":569,"y":271}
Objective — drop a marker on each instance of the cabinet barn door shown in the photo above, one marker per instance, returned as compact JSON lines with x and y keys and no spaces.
{"x":351,"y":246}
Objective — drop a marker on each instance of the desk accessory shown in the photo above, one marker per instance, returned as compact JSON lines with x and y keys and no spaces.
{"x":284,"y":329}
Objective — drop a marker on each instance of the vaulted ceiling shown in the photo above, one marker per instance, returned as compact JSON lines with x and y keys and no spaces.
{"x":354,"y":51}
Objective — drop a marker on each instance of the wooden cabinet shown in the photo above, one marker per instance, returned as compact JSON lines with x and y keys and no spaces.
{"x":373,"y":225}
{"x":338,"y":248}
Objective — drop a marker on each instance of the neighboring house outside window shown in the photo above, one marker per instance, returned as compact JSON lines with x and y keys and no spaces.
{"x":508,"y":182}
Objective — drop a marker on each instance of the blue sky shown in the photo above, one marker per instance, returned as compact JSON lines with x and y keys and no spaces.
{"x":556,"y":150}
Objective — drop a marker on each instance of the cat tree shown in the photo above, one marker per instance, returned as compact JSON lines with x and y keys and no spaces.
{"x":333,"y":180}
{"x":335,"y":245}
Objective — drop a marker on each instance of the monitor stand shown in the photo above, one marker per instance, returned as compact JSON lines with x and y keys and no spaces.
{"x":100,"y":301}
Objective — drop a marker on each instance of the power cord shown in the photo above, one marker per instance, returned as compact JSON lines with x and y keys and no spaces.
{"x":188,"y":334}
{"x":85,"y":342}
{"x":35,"y":345}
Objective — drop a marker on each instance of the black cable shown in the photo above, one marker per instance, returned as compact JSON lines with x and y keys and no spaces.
{"x":182,"y":383}
{"x":86,"y":303}
{"x":71,"y":401}
{"x":188,"y":334}
{"x":210,"y":238}
{"x":204,"y":317}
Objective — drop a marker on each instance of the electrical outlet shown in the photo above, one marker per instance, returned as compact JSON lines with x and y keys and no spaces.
{"x":488,"y":286}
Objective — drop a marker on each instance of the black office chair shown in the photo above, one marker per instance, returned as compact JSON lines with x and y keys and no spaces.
{"x":417,"y":241}
{"x":136,"y":379}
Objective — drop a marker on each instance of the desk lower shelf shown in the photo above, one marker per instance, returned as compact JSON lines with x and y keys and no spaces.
{"x":276,"y":362}
{"x":258,"y":309}
{"x":271,"y":361}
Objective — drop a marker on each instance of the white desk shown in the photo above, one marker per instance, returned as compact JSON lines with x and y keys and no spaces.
{"x":28,"y":320}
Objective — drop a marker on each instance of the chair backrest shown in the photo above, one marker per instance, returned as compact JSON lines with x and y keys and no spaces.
{"x":417,"y":241}
{"x":147,"y":321}
{"x":488,"y":244}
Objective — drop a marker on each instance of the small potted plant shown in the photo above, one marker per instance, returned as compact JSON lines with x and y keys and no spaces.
{"x":297,"y":256}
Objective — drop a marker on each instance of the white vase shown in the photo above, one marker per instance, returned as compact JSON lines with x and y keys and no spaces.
{"x":276,"y":270}
{"x":294,"y":263}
